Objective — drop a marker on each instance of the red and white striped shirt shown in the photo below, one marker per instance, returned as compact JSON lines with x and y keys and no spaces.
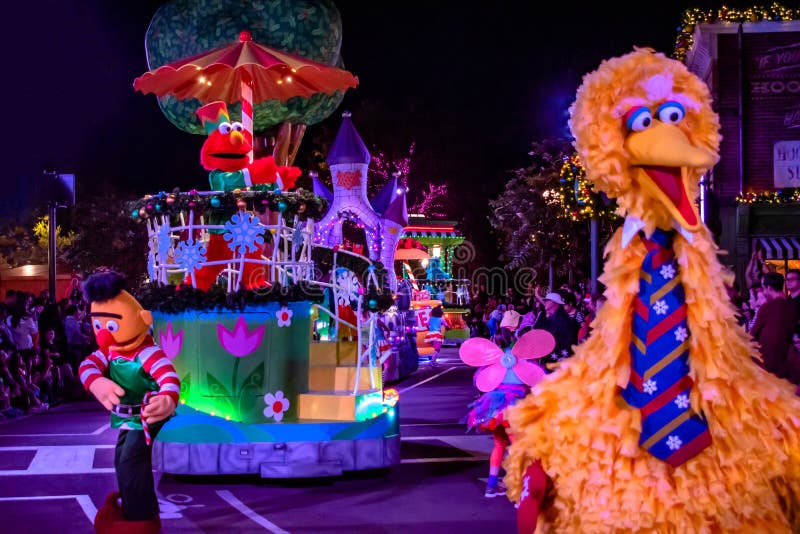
{"x":153,"y":360}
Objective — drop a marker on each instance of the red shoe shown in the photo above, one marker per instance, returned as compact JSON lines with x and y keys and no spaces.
{"x":108,"y":515}
{"x":152,"y":526}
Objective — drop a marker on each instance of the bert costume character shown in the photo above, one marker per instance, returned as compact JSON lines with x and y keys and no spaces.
{"x":225,"y":153}
{"x":132,"y":377}
{"x":662,"y":421}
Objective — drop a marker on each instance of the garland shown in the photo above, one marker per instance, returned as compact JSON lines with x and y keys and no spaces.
{"x":780,"y":196}
{"x":258,"y":198}
{"x":694,"y":16}
{"x":577,"y":195}
{"x":176,"y":299}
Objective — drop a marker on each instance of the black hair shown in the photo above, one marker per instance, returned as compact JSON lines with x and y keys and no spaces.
{"x":437,"y":311}
{"x":103,"y":286}
{"x":773,"y":280}
{"x":504,"y":337}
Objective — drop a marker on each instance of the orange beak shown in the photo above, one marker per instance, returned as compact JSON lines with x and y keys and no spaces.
{"x":662,"y":156}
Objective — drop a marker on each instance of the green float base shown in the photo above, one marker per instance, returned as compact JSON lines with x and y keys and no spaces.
{"x":196,"y":443}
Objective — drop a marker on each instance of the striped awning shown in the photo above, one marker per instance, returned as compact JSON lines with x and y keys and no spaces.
{"x":779,"y":248}
{"x":432,"y":234}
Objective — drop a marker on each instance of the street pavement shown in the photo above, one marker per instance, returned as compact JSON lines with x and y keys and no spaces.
{"x":57,"y":467}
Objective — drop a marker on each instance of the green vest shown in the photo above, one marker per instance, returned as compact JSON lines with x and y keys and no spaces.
{"x":223,"y":181}
{"x":131,"y":377}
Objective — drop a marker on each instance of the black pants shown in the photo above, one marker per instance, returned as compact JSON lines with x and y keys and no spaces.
{"x":133,"y":462}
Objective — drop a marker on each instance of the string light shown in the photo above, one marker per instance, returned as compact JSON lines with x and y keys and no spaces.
{"x":694,"y":16}
{"x":576,"y":194}
{"x":780,"y":196}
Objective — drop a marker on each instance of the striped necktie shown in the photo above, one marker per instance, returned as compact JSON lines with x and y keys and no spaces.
{"x":659,"y":384}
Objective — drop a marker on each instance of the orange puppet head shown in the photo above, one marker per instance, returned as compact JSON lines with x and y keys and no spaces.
{"x":118,"y":320}
{"x":226,"y":148}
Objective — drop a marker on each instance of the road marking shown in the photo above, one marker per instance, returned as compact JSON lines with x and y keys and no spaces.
{"x":228,"y":497}
{"x":93,"y":433}
{"x":444,"y":460}
{"x":409,"y":388}
{"x":59,"y":460}
{"x":84,"y":501}
{"x":432,"y":424}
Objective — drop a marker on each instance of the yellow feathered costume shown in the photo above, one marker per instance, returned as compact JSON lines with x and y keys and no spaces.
{"x":748,"y":479}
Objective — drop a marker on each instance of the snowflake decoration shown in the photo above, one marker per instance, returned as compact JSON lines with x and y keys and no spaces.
{"x":682,"y":401}
{"x":347,"y":287}
{"x":190,"y":255}
{"x":277,"y":405}
{"x":660,"y":307}
{"x":564,"y":353}
{"x":164,"y":242}
{"x":650,"y":387}
{"x":284,"y":316}
{"x":667,"y":271}
{"x":681,"y":334}
{"x":244,"y":233}
{"x":674,"y":443}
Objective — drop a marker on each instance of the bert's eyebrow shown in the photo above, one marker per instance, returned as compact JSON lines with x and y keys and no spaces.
{"x":105,"y":314}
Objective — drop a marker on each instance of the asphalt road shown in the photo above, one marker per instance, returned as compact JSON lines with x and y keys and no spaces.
{"x":57,"y":467}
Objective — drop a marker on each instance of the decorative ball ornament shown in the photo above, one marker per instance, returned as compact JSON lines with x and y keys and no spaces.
{"x":171,"y":200}
{"x":241,"y":204}
{"x":135,"y":214}
{"x":282,"y":205}
{"x":301,"y":208}
{"x":142,"y":213}
{"x":215,"y":202}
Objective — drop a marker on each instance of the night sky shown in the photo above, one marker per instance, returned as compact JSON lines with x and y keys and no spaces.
{"x":472,"y":83}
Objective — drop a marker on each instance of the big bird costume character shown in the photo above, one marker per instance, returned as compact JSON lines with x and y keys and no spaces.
{"x":133,"y":379}
{"x":661,"y":421}
{"x":225,"y":153}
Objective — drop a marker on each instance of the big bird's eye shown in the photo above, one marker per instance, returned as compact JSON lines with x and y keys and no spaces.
{"x":224,"y":128}
{"x":670,"y":112}
{"x":638,"y":119}
{"x":237,"y":127}
{"x":112,"y":326}
{"x":97,"y":324}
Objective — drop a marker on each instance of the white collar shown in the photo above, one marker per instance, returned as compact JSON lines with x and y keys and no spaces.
{"x":633,"y":224}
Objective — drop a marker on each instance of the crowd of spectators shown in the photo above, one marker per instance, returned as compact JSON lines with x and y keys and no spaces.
{"x":42,"y":343}
{"x":566,"y":312}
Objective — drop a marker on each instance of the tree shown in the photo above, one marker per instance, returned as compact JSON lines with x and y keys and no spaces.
{"x":539,"y":219}
{"x":107,"y":236}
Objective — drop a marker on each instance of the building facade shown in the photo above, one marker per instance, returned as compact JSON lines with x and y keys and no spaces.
{"x":750,"y":199}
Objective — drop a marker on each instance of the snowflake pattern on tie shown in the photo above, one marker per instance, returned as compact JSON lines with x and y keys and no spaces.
{"x":659,"y":384}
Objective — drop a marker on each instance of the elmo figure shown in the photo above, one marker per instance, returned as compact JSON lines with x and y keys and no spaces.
{"x":225,"y":154}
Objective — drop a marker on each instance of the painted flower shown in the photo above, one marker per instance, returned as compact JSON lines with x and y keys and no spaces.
{"x":277,"y":405}
{"x":660,"y":307}
{"x":681,"y":334}
{"x":284,"y":316}
{"x":170,"y":343}
{"x":244,"y":233}
{"x":667,"y":271}
{"x":674,"y":443}
{"x":190,"y":255}
{"x":241,"y":341}
{"x":682,"y":401}
{"x":650,"y":387}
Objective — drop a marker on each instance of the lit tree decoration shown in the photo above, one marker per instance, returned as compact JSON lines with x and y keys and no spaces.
{"x":382,"y":167}
{"x":576,"y":194}
{"x":432,"y":202}
{"x":694,"y":16}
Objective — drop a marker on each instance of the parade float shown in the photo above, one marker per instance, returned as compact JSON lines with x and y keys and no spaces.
{"x":270,"y":384}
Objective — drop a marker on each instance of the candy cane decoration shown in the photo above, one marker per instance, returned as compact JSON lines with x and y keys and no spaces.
{"x":410,"y":274}
{"x":247,"y":113}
